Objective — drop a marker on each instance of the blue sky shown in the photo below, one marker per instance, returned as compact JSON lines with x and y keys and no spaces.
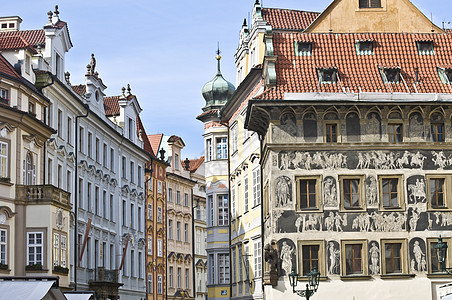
{"x":164,"y":49}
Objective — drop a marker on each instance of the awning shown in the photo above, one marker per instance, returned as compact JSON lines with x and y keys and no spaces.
{"x":74,"y":296}
{"x":25,"y":290}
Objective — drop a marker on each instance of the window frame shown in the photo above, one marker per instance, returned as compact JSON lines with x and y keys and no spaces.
{"x":318,"y":188}
{"x":224,"y":273}
{"x":430,"y":254}
{"x":257,"y":257}
{"x":224,"y":209}
{"x":6,"y":159}
{"x":364,"y":257}
{"x":403,"y":256}
{"x":327,"y":124}
{"x":369,"y":5}
{"x":434,"y":130}
{"x":400,"y":193}
{"x":4,"y":246}
{"x":392,"y":124}
{"x":362,"y":192}
{"x":447,"y":191}
{"x":35,"y":245}
{"x":321,"y":256}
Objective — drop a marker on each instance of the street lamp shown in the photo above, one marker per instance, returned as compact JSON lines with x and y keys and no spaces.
{"x":441,"y":255}
{"x":311,"y":286}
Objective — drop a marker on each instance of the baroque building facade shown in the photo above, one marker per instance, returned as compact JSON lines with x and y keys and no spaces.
{"x":96,"y":156}
{"x":216,"y":93}
{"x":354,"y":155}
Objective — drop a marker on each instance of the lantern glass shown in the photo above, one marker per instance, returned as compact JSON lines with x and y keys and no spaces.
{"x":293,"y":278}
{"x":441,"y":252}
{"x":314,"y":277}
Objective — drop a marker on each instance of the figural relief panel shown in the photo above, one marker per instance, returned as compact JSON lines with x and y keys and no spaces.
{"x":416,"y":190}
{"x":329,"y":192}
{"x":371,"y":191}
{"x":416,"y":126}
{"x":287,"y":256}
{"x":283,"y":192}
{"x":418,"y":260}
{"x":374,"y":258}
{"x":334,"y":258}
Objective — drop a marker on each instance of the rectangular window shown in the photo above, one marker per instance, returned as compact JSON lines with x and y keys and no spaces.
{"x":222,"y":148}
{"x":150,"y":245}
{"x":179,"y":275}
{"x":186,"y":233}
{"x":159,"y":214}
{"x":159,"y":248}
{"x":132,"y":172}
{"x":96,"y":201}
{"x":437,"y":132}
{"x":393,"y":258}
{"x":150,"y":284}
{"x":170,"y":195}
{"x":140,"y":265}
{"x":209,"y":150}
{"x":90,"y":208}
{"x":150,"y":212}
{"x":90,"y":144}
{"x":436,"y":188}
{"x":234,"y":138}
{"x":240,"y":265}
{"x":112,"y":159}
{"x":257,"y":258}
{"x":311,"y":254}
{"x":131,"y":129}
{"x":352,"y":192}
{"x":395,"y":133}
{"x":211,"y":210}
{"x":132,"y":263}
{"x":132,"y":215}
{"x":331,"y":133}
{"x":391,"y":192}
{"x":81,"y":140}
{"x":185,"y":199}
{"x":35,"y":248}
{"x":178,"y":231}
{"x":233,"y":202}
{"x":223,"y":268}
{"x":176,"y":161}
{"x":4,"y":160}
{"x":104,"y":204}
{"x":434,"y":265}
{"x":178,"y":197}
{"x":139,"y":219}
{"x":68,"y":181}
{"x":150,"y":183}
{"x":245,"y":191}
{"x":80,"y":193}
{"x":170,"y":277}
{"x":3,"y":247}
{"x":257,"y":186}
{"x":369,"y":3}
{"x":234,"y":265}
{"x":69,"y":130}
{"x":170,"y":229}
{"x":354,"y":259}
{"x":111,"y":208}
{"x":223,"y":210}
{"x":97,"y":150}
{"x":139,"y":176}
{"x":187,"y":279}
{"x":247,"y":261}
{"x":104,"y":155}
{"x":124,"y":213}
{"x":211,"y":264}
{"x":124,"y":167}
{"x":60,"y":123}
{"x":159,"y":187}
{"x":309,"y":193}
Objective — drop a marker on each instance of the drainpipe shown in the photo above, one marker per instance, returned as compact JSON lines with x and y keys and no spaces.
{"x":193,"y":242}
{"x":261,"y":140}
{"x":76,"y":195}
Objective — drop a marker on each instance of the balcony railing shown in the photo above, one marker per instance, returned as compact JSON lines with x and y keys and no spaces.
{"x":42,"y":194}
{"x":4,"y":101}
{"x":103,"y":275}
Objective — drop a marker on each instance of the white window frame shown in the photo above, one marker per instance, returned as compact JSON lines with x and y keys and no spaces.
{"x":257,"y":248}
{"x":3,"y":246}
{"x":149,"y":245}
{"x":38,"y":248}
{"x":4,"y":159}
{"x":223,"y":269}
{"x":256,"y":186}
{"x":159,"y":214}
{"x":150,"y":284}
{"x":159,"y":248}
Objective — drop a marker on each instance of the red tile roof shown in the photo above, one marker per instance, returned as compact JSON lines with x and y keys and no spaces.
{"x":212,"y":112}
{"x":7,"y":69}
{"x":298,"y":74}
{"x":155,"y":140}
{"x":79,"y":89}
{"x":111,"y":106}
{"x":21,"y":39}
{"x":195,"y":163}
{"x":288,"y":19}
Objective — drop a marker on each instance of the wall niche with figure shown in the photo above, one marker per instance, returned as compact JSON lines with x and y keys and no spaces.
{"x":373,"y":127}
{"x":416,"y":127}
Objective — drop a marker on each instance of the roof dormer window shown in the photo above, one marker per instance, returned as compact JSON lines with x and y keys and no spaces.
{"x":391,"y":75}
{"x":364,"y":47}
{"x":327,"y":75}
{"x":425,"y":47}
{"x":303,"y":48}
{"x":369,"y":3}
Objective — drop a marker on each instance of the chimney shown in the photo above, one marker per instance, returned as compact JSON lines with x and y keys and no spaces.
{"x":10,"y":23}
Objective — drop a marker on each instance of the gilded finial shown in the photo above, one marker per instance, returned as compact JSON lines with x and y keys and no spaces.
{"x":218,"y":52}
{"x":129,"y":90}
{"x":56,"y":11}
{"x":50,"y":15}
{"x":123,"y":91}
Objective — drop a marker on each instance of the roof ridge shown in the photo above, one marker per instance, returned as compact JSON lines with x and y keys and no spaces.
{"x":292,"y":9}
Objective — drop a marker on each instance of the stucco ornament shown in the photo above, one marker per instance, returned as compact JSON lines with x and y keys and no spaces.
{"x":334,"y":257}
{"x":388,"y":161}
{"x":419,"y":256}
{"x":371,"y":191}
{"x":329,"y":192}
{"x":286,"y":257}
{"x":305,"y":161}
{"x":3,"y":218}
{"x":3,"y":133}
{"x":417,"y":191}
{"x":59,"y":219}
{"x":374,"y":255}
{"x":335,"y":222}
{"x":440,"y":159}
{"x":414,"y":219}
{"x":283,"y":191}
{"x":443,"y":218}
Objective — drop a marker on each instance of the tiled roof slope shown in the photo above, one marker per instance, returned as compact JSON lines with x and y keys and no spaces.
{"x":297,"y":74}
{"x":111,"y":106}
{"x":79,"y":89}
{"x":288,"y":19}
{"x":17,"y":39}
{"x":146,"y":144}
{"x":155,"y":140}
{"x":7,"y":69}
{"x":194,"y":163}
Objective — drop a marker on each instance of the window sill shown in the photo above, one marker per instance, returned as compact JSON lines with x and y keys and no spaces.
{"x":438,"y":275}
{"x":390,"y":209}
{"x":309,"y":210}
{"x":356,"y":277}
{"x":397,"y":276}
{"x":37,"y":271}
{"x":5,"y":271}
{"x":5,"y":183}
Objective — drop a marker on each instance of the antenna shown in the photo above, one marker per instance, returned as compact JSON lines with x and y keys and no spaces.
{"x":445,"y":23}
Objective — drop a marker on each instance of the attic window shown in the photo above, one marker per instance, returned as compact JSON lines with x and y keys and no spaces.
{"x":11,"y":25}
{"x":445,"y":75}
{"x":425,"y":47}
{"x":369,"y":3}
{"x":364,"y":47}
{"x":327,"y":75}
{"x":391,"y":75}
{"x":4,"y":25}
{"x":303,"y":48}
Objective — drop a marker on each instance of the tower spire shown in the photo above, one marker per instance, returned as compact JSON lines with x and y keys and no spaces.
{"x":218,"y":59}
